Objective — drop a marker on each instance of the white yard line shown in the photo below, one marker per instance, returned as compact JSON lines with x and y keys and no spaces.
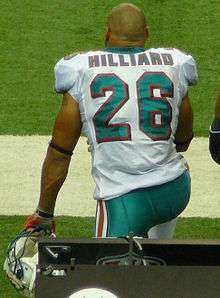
{"x":21,"y":160}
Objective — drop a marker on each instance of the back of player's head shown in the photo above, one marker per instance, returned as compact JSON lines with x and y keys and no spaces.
{"x":126,"y":25}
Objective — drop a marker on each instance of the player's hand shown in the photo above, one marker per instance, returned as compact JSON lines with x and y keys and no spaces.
{"x":43,"y":227}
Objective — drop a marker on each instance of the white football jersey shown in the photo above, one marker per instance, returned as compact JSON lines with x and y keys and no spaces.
{"x":129,"y":102}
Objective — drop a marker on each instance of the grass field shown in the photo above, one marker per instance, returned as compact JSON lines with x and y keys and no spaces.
{"x":35,"y":34}
{"x":190,"y":228}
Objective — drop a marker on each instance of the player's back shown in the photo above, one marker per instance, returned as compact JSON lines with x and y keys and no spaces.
{"x":129,"y":101}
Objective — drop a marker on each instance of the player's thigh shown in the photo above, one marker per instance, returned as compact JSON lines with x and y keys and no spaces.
{"x":141,"y":209}
{"x":171,"y":198}
{"x":166,"y":229}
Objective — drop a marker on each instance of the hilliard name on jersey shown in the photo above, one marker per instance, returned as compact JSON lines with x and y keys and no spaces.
{"x":150,"y":58}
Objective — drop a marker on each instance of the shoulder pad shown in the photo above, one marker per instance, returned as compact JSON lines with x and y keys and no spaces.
{"x":188,"y":66}
{"x":65,"y":75}
{"x":169,"y":49}
{"x":70,"y":56}
{"x":181,"y":51}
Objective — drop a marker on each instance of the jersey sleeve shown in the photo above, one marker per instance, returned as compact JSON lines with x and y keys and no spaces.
{"x":67,"y":77}
{"x":188,"y":71}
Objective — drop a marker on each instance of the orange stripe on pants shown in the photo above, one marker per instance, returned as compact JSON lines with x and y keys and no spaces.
{"x":101,"y":219}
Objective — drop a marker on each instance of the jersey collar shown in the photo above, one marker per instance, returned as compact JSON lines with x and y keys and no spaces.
{"x":125,"y":50}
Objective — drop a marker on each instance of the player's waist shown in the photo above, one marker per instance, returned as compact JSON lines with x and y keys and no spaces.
{"x":133,"y":164}
{"x":110,"y":184}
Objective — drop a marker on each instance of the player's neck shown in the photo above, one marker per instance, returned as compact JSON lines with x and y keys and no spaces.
{"x":124,"y":44}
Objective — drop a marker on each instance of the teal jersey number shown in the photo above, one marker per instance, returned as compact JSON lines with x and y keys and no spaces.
{"x":155,"y":112}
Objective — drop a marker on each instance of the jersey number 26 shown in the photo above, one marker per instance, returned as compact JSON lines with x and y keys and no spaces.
{"x":154,"y":110}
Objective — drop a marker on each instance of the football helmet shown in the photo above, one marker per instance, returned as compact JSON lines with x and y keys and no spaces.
{"x":22,"y":253}
{"x":22,"y":257}
{"x":21,"y":260}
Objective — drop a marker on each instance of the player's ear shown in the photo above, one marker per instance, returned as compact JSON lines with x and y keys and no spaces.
{"x":146,"y":33}
{"x":107,"y":35}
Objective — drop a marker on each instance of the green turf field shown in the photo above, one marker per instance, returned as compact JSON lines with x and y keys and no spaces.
{"x":35,"y":34}
{"x":190,"y":228}
{"x":38,"y":33}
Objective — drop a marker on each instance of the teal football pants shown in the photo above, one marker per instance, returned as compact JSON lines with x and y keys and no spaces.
{"x":141,"y":209}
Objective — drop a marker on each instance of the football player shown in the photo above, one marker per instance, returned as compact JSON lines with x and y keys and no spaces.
{"x":134,"y":108}
{"x":214,"y":136}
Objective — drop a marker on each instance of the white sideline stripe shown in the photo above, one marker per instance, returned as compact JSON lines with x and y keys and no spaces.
{"x":22,"y":157}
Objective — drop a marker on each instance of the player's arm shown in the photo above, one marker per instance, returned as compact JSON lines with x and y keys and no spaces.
{"x":188,"y":77}
{"x":214,"y":135}
{"x":65,"y":135}
{"x":184,"y":132}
